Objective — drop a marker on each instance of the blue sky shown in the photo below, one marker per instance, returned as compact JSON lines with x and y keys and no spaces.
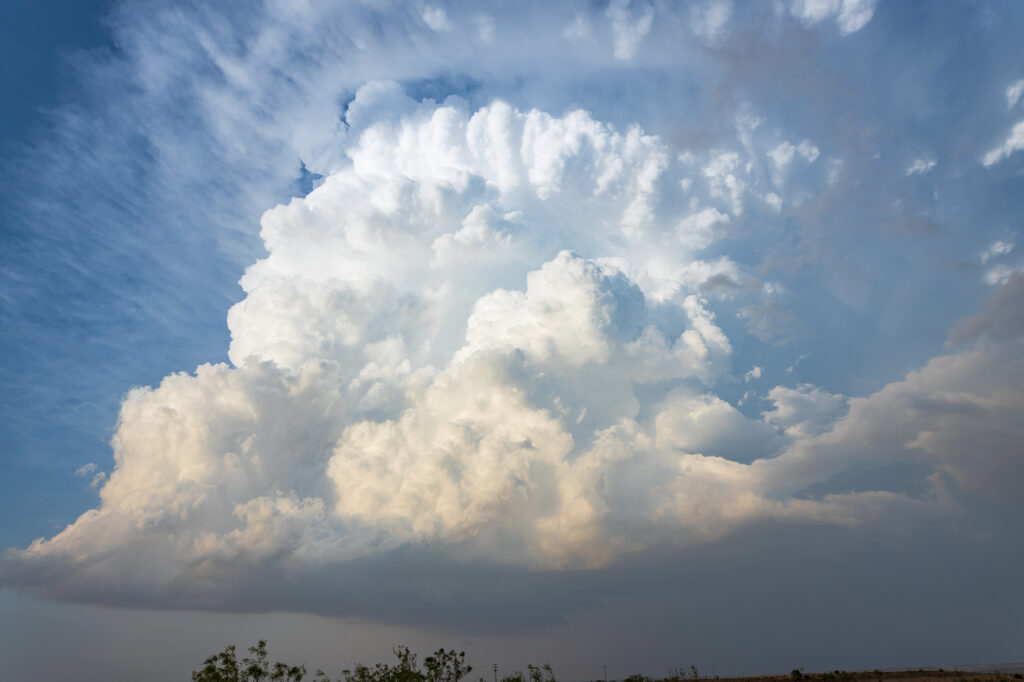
{"x":521,"y":325}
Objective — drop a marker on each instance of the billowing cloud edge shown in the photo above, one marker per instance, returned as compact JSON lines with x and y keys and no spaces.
{"x":444,"y":345}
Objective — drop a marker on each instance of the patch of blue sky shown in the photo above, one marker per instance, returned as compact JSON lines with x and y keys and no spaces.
{"x":442,"y":87}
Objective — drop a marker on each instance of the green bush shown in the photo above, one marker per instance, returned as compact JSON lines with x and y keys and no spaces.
{"x":224,"y":667}
{"x":442,"y":666}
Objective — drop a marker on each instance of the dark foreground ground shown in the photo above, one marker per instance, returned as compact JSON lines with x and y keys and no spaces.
{"x":994,"y":673}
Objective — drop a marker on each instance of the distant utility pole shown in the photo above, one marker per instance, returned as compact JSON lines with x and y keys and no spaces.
{"x":495,"y":672}
{"x":605,"y":669}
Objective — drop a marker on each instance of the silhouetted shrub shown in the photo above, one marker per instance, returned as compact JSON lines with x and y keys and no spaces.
{"x":638,"y":678}
{"x":224,"y":667}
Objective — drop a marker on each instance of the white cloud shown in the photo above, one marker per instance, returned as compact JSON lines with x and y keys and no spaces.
{"x":698,"y":230}
{"x":706,"y":424}
{"x":855,"y":15}
{"x":436,"y":18}
{"x":921,"y":166}
{"x":419,"y":359}
{"x":1000,"y":247}
{"x":484,"y":235}
{"x":721,"y":172}
{"x":629,"y":27}
{"x":572,"y":312}
{"x":999,"y":274}
{"x":85,"y":469}
{"x":850,"y":15}
{"x":98,"y":477}
{"x":800,"y":358}
{"x":961,"y":413}
{"x":809,"y":151}
{"x":747,"y":122}
{"x":1013,"y":143}
{"x":782,"y":155}
{"x":383,"y":389}
{"x":805,"y":410}
{"x":708,"y":20}
{"x":1013,"y":93}
{"x":488,"y":329}
{"x":835,"y":170}
{"x":813,"y":11}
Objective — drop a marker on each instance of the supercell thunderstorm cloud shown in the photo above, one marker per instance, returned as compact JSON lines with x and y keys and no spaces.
{"x":560,"y":290}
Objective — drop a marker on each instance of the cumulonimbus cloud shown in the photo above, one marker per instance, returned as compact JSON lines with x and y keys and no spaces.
{"x":493,"y":329}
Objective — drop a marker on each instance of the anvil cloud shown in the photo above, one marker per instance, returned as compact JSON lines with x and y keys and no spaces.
{"x":563,"y":286}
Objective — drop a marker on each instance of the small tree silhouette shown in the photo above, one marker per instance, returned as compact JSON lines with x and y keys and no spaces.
{"x":441,"y":666}
{"x":224,"y":667}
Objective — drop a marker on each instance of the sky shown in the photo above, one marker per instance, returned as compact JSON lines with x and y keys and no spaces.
{"x":628,"y":334}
